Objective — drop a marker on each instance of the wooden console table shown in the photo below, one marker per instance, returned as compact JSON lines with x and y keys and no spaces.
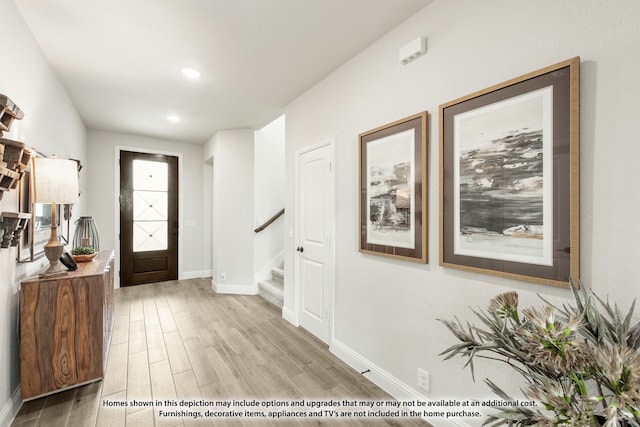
{"x":65,"y":327}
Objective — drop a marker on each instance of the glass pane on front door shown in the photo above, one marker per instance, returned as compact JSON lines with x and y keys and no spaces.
{"x":148,"y":175}
{"x":149,"y":236}
{"x":150,"y":206}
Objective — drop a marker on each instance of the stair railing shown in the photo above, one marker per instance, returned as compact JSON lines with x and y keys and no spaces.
{"x":269,"y":221}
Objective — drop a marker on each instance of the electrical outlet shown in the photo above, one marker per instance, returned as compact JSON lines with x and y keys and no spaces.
{"x":223,"y":275}
{"x":424,"y":380}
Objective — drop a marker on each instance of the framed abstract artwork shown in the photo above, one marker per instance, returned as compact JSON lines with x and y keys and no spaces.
{"x":509,"y":178}
{"x":393,"y":189}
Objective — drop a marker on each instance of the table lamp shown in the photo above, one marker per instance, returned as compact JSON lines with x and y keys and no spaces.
{"x":55,"y":182}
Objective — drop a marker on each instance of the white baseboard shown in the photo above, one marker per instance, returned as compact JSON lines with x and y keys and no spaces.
{"x":386,"y":381}
{"x":228,"y":288}
{"x":379,"y":376}
{"x":290,"y":316}
{"x":10,"y":409}
{"x":195,"y":274}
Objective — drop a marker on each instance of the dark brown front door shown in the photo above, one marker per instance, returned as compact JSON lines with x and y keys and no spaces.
{"x":148,"y":218}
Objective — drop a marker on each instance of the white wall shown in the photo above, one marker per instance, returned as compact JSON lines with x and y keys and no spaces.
{"x":51,"y":125}
{"x":269,"y":154}
{"x":231,"y":154}
{"x":101,"y":171}
{"x":386,"y":310}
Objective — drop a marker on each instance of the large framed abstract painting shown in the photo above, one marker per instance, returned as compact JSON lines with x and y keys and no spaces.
{"x":393,"y":189}
{"x":509,"y":177}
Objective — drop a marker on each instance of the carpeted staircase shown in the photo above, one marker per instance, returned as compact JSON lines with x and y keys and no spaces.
{"x":273,"y":289}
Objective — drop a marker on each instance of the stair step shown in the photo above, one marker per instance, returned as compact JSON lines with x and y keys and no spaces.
{"x":272,"y":291}
{"x":278,"y":275}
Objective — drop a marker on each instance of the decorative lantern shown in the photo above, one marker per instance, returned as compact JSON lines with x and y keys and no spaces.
{"x":86,"y":234}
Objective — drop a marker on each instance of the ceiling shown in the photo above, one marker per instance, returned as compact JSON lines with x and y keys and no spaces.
{"x":120,"y":60}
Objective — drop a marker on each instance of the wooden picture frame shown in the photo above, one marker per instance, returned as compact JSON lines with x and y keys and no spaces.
{"x":393,"y":189}
{"x":509,"y":178}
{"x":25,"y":247}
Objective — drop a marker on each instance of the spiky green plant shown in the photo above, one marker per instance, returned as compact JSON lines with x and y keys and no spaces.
{"x":580,"y":362}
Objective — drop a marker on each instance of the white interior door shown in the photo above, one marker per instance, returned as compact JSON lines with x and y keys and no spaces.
{"x":314,"y":244}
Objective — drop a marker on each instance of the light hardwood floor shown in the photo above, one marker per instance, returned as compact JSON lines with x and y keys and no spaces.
{"x":181,"y":341}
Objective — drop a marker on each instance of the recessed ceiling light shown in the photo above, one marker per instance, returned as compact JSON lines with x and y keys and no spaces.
{"x":191,"y":73}
{"x":173,"y":118}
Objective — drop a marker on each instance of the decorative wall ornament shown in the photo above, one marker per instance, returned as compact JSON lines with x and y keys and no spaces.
{"x":14,"y":158}
{"x":12,"y":226}
{"x":13,"y":155}
{"x":8,"y":113}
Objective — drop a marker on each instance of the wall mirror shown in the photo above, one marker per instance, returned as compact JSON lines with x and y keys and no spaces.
{"x":37,"y":233}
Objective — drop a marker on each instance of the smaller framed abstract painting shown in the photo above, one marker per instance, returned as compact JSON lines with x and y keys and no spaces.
{"x":509,"y":178}
{"x":393,"y":189}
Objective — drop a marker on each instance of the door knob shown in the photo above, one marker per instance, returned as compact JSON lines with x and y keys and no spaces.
{"x":300,"y":249}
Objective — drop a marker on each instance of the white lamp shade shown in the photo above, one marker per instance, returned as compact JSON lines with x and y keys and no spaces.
{"x":55,"y":181}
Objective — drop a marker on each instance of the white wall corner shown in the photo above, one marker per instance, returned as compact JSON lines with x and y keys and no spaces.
{"x":384,"y":379}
